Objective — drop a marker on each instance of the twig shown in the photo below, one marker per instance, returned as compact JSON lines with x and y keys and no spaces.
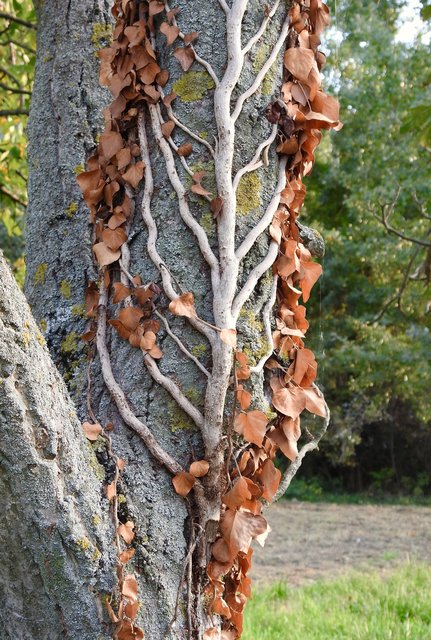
{"x":257,"y":36}
{"x":387,"y":210}
{"x":152,"y":228}
{"x":204,"y":63}
{"x":118,"y":396}
{"x":310,"y":446}
{"x":255,"y":163}
{"x":267,"y":217}
{"x":13,"y":197}
{"x":185,"y":213}
{"x":181,"y":345}
{"x":182,"y":126}
{"x":19,"y":91}
{"x":173,"y":389}
{"x":253,"y":278}
{"x":24,"y":23}
{"x":268,"y":331}
{"x":14,"y":112}
{"x":224,"y":6}
{"x":262,"y":73}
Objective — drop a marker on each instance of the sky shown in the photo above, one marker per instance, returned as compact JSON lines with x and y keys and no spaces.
{"x":410,"y":24}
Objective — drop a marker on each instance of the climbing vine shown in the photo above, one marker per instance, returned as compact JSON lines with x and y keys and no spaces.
{"x":227,"y":490}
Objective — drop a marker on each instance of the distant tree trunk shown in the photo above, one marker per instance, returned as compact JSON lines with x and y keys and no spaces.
{"x":55,"y":481}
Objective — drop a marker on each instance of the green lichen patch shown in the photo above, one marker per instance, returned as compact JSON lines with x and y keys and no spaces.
{"x":101,"y":35}
{"x":79,"y":169}
{"x":78,"y":310}
{"x":208,"y":224}
{"x":261,"y":56}
{"x":39,"y":276}
{"x":65,"y":289}
{"x":248,"y":194}
{"x":71,"y":209}
{"x":70,"y":343}
{"x":199,"y":350}
{"x":83,"y":543}
{"x":193,"y":85}
{"x":43,"y":324}
{"x":179,"y":421}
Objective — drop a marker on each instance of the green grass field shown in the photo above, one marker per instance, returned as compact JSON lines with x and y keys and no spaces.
{"x":360,"y":606}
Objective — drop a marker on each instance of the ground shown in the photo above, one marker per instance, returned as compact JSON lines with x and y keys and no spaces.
{"x":310,"y":541}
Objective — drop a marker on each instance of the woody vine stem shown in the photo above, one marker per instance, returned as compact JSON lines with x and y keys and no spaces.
{"x":227,"y":490}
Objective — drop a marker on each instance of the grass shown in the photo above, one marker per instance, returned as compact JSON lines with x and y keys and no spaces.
{"x":359,"y":606}
{"x":311,"y":491}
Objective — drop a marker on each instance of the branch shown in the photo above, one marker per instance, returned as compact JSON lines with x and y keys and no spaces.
{"x":267,"y":217}
{"x":118,"y":396}
{"x":152,"y":229}
{"x":256,"y":162}
{"x":14,"y":112}
{"x":182,"y":126}
{"x":294,"y":466}
{"x":10,"y":195}
{"x":262,"y":73}
{"x":185,"y":213}
{"x":173,"y":389}
{"x":26,"y":47}
{"x":386,"y":213}
{"x":24,"y":23}
{"x":181,"y":345}
{"x":253,"y":278}
{"x":268,"y":331}
{"x":224,"y":6}
{"x":257,"y":36}
{"x":6,"y":87}
{"x":206,"y":65}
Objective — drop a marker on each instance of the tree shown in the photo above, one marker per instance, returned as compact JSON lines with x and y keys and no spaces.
{"x":180,"y":381}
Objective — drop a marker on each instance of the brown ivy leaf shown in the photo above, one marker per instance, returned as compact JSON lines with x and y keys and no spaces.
{"x":172,"y":13}
{"x":243,"y":371}
{"x":191,"y":37}
{"x":199,"y":468}
{"x":129,"y":631}
{"x":304,"y":368}
{"x":299,"y":61}
{"x":92,"y":431}
{"x":221,"y":552}
{"x":252,"y":426}
{"x":111,"y":490}
{"x":88,"y":336}
{"x":91,"y":299}
{"x":149,"y":72}
{"x":110,"y":144}
{"x":114,"y":238}
{"x":126,"y":555}
{"x":123,"y":158}
{"x":315,"y":403}
{"x":289,"y":401}
{"x":185,"y":150}
{"x":148,"y":344}
{"x":239,"y":528}
{"x":239,"y":494}
{"x":130,"y":587}
{"x":211,"y":634}
{"x":183,"y":483}
{"x":143,"y":294}
{"x":309,"y":274}
{"x":216,"y":206}
{"x":111,"y":613}
{"x":184,"y":305}
{"x":287,"y":446}
{"x":167,"y":128}
{"x":162,"y":77}
{"x":170,"y":31}
{"x":126,"y":531}
{"x":121,"y":292}
{"x":167,"y":100}
{"x":152,"y":93}
{"x":121,"y":464}
{"x":104,"y":255}
{"x":131,"y":610}
{"x":130,"y":317}
{"x":185,"y":56}
{"x":228,"y":336}
{"x":134,"y":174}
{"x":288,"y":147}
{"x":243,"y":397}
{"x":156,"y":7}
{"x":197,"y":187}
{"x":120,"y":328}
{"x":270,"y":478}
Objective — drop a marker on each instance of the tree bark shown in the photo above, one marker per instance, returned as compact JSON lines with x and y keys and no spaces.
{"x":66,"y":117}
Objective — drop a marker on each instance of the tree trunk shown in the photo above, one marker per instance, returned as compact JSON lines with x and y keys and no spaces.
{"x":157,"y":417}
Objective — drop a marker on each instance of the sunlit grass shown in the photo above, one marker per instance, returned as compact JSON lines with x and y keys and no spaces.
{"x":360,"y":606}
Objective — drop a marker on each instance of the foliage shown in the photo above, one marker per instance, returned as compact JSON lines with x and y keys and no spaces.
{"x":375,"y":294}
{"x":358,"y":606}
{"x":17,"y":53}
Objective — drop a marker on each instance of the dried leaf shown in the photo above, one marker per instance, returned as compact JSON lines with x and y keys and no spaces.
{"x":111,"y":490}
{"x":134,"y":174}
{"x":104,"y":255}
{"x":183,"y":483}
{"x":110,"y":143}
{"x":243,"y":397}
{"x":309,"y":274}
{"x":238,"y":528}
{"x":270,"y":478}
{"x":185,"y":56}
{"x":199,"y":468}
{"x":289,"y":401}
{"x":239,"y":494}
{"x":185,"y":150}
{"x":130,"y":317}
{"x":167,"y":128}
{"x":92,"y":431}
{"x":126,"y":531}
{"x":170,"y":31}
{"x":252,"y":426}
{"x":114,"y":238}
{"x":130,"y":587}
{"x":126,"y":555}
{"x":121,"y":292}
{"x":299,"y":61}
{"x":216,"y":206}
{"x":184,"y":306}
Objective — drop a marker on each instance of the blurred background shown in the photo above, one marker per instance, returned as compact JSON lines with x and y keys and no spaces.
{"x":370,"y":197}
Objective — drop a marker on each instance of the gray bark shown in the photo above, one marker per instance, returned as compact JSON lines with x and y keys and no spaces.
{"x":66,"y":116}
